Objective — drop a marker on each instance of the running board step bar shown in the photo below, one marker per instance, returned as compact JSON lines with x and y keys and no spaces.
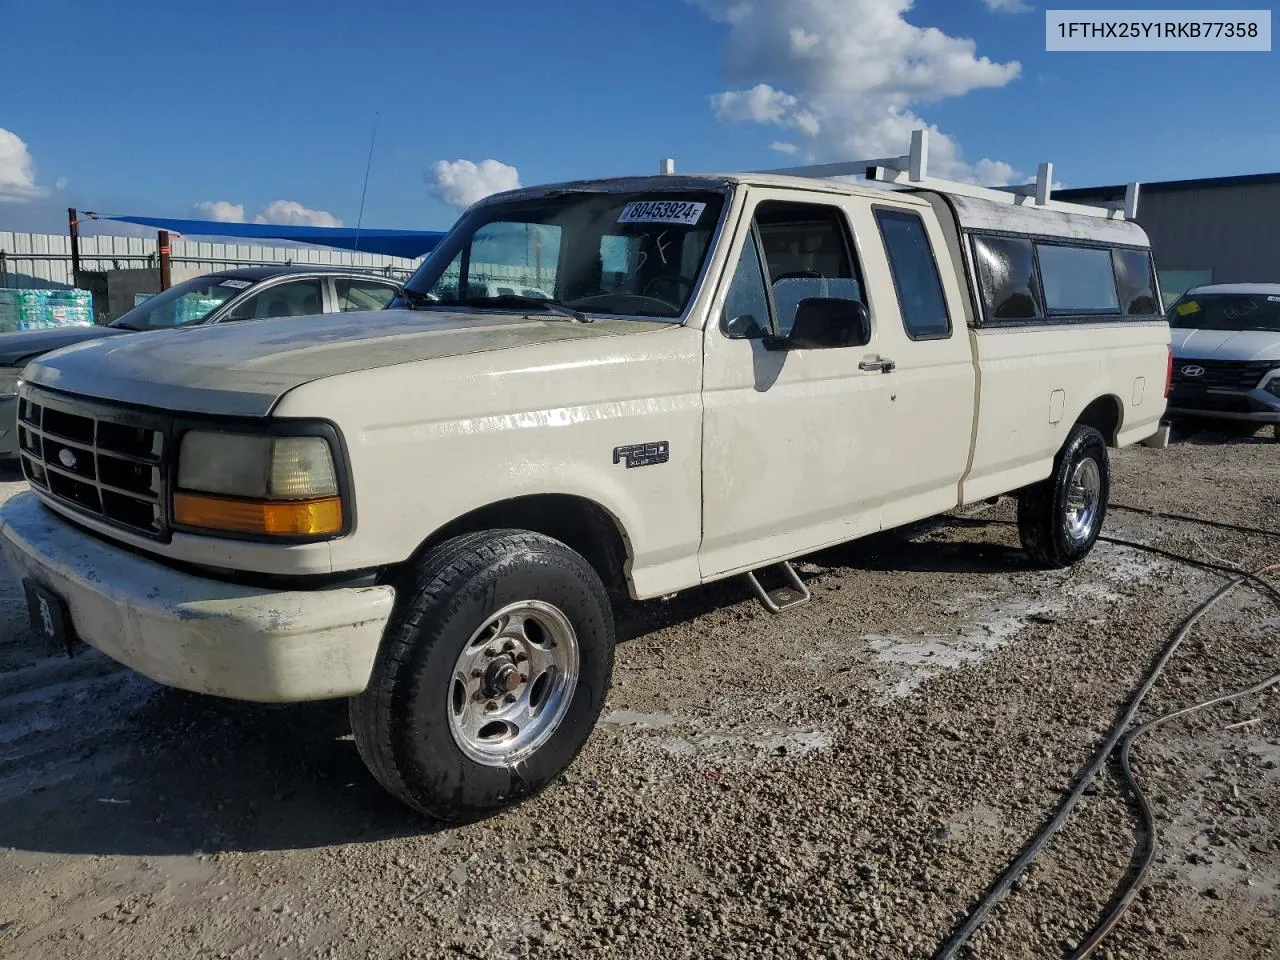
{"x":792,"y":594}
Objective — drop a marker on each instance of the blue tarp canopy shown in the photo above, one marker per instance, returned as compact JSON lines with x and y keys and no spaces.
{"x":410,"y":244}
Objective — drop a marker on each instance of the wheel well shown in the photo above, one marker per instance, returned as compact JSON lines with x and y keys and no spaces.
{"x":1104,"y":415}
{"x":581,"y":524}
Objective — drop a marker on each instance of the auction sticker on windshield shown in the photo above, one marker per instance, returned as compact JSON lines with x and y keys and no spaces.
{"x":236,"y":284}
{"x":662,"y":211}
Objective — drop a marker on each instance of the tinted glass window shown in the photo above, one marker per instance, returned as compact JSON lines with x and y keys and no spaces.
{"x":747,"y":297}
{"x":1007,"y":278}
{"x":363,"y":294}
{"x":297,"y":298}
{"x":1226,"y":311}
{"x":915,"y":274}
{"x":1135,"y":282}
{"x":1077,"y":279}
{"x":806,"y":250}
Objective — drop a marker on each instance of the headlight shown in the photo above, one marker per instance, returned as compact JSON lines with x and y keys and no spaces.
{"x":247,"y":483}
{"x":1273,"y":386}
{"x":10,"y":380}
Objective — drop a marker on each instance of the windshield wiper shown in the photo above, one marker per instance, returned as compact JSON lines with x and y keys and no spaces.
{"x":126,"y":326}
{"x":516,"y":300}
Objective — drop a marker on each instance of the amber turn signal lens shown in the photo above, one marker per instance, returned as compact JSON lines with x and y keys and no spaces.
{"x":284,"y":518}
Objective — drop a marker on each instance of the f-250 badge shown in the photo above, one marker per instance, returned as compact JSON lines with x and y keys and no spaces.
{"x":643,"y":454}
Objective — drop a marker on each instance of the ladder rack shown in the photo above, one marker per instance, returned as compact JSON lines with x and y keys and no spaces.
{"x":912,"y":170}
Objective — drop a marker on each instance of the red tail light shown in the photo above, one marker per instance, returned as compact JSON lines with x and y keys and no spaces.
{"x":1168,"y":377}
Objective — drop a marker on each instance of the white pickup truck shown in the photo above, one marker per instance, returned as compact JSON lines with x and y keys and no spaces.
{"x":428,"y":509}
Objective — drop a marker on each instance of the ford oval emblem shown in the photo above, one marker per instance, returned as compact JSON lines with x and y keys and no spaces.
{"x":1193,"y":370}
{"x":67,"y":457}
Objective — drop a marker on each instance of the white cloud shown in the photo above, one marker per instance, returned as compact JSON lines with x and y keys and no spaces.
{"x":17,"y":170}
{"x":462,"y":182}
{"x":849,"y":76}
{"x":782,"y":146}
{"x":61,"y":183}
{"x":1007,"y":6}
{"x":224,"y":211}
{"x":994,"y":173}
{"x":286,"y":212}
{"x":294,"y":214}
{"x":760,"y":104}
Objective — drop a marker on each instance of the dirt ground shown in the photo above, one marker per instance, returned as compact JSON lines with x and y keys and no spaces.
{"x":843,"y":780}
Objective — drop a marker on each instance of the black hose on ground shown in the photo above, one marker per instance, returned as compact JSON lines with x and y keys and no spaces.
{"x":1148,"y":853}
{"x":973,"y":521}
{"x":1200,"y":520}
{"x":1122,"y":734}
{"x":1006,"y":880}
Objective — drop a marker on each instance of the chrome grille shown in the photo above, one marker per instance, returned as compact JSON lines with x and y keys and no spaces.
{"x":96,"y":459}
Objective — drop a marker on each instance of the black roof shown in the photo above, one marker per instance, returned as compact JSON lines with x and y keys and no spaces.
{"x":266,"y":273}
{"x":1116,"y":191}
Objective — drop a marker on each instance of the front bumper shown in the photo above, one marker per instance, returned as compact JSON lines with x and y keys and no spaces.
{"x":193,"y":632}
{"x":1255,"y":406}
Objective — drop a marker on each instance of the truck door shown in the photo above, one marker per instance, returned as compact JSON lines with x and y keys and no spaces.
{"x":794,"y":440}
{"x":928,"y":360}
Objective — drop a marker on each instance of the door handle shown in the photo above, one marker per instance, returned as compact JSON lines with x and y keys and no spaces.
{"x":881,"y":364}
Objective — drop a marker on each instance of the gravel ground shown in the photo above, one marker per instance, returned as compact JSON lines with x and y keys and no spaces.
{"x":844,"y":780}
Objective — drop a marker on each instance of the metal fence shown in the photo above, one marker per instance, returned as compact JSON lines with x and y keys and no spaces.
{"x":34,"y":260}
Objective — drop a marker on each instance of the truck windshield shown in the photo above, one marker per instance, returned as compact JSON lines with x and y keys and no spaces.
{"x":621,"y":254}
{"x":182,"y":305}
{"x":1226,"y":311}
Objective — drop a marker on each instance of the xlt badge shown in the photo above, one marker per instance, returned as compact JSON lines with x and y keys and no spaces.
{"x":643,"y":454}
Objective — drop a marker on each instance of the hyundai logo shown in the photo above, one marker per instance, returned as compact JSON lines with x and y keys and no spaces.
{"x":67,"y":457}
{"x":1193,"y":370}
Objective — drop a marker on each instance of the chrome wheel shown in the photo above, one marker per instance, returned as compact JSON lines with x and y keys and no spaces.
{"x":1084,"y":495}
{"x":513,"y":683}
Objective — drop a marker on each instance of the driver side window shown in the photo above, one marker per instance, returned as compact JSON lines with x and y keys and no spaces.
{"x":807,"y":254}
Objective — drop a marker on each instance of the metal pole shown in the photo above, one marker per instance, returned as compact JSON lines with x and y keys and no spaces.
{"x":73,"y":226}
{"x":163,"y":238}
{"x":1131,"y":193}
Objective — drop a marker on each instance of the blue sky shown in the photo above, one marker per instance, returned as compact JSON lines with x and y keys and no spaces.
{"x":170,"y":105}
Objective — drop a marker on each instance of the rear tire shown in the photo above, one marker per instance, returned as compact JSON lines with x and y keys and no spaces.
{"x":492,"y":672}
{"x":1059,"y":519}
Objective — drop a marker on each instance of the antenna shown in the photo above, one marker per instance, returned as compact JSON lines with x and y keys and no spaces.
{"x":365,"y":189}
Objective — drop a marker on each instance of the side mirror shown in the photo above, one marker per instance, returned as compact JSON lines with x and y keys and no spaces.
{"x":823,"y":322}
{"x":744,"y":327}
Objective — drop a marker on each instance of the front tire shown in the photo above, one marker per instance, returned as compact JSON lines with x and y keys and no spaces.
{"x":1059,"y":519}
{"x":491,"y":674}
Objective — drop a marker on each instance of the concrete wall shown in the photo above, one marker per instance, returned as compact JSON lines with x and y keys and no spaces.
{"x":122,"y":285}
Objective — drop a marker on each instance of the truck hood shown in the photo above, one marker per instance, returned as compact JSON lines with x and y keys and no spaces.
{"x":242,"y":369}
{"x":1226,"y":345}
{"x":21,"y":346}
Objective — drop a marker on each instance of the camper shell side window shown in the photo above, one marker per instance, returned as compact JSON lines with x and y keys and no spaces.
{"x":1025,"y":279}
